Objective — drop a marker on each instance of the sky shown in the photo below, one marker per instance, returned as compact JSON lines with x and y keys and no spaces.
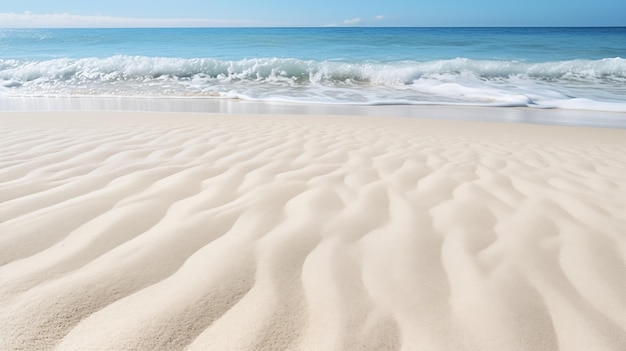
{"x":310,"y":13}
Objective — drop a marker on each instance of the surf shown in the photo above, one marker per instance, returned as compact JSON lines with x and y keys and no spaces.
{"x":557,"y":84}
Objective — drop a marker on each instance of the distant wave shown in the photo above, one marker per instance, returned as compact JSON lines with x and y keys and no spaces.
{"x":461,"y":80}
{"x":139,"y":67}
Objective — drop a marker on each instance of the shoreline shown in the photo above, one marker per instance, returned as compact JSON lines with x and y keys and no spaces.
{"x":170,"y":230}
{"x":515,"y":115}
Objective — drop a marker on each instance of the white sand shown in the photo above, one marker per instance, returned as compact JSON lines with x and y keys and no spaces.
{"x":146,"y":231}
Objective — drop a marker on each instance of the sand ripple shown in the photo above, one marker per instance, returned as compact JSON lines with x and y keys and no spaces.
{"x":263,"y":233}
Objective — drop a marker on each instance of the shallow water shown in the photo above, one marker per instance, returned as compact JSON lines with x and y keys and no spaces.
{"x":565,"y":68}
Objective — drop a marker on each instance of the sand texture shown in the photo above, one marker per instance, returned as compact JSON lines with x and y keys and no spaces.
{"x":148,"y":231}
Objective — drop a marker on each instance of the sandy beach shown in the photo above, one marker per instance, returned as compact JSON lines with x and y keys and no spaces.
{"x":191,"y":231}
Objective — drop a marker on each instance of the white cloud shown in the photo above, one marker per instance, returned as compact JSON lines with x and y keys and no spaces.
{"x":65,"y":20}
{"x":358,"y":21}
{"x":352,"y":21}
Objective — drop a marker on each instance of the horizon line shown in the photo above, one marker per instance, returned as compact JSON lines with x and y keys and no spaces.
{"x":318,"y":27}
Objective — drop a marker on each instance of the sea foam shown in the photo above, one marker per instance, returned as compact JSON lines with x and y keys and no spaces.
{"x":560,"y":84}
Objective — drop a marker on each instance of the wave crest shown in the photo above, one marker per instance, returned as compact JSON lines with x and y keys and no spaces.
{"x":460,"y":80}
{"x":139,"y":67}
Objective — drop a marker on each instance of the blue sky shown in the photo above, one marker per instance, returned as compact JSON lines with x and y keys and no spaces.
{"x":150,"y":13}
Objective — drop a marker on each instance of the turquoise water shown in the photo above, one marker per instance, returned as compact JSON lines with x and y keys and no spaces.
{"x":568,"y":68}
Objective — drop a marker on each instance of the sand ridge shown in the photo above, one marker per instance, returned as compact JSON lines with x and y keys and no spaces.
{"x":147,"y":231}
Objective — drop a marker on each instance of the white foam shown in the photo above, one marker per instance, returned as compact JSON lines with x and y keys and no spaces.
{"x":591,"y":84}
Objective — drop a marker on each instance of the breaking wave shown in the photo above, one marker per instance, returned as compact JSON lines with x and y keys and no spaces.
{"x":562,"y":84}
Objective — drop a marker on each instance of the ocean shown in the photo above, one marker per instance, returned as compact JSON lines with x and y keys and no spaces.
{"x":561,"y":68}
